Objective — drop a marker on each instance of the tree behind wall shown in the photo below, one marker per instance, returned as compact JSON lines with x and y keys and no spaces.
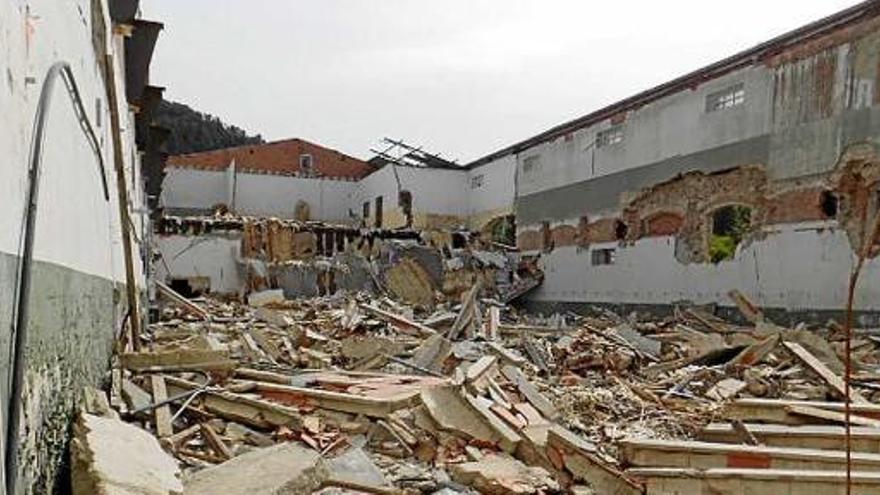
{"x":193,"y":131}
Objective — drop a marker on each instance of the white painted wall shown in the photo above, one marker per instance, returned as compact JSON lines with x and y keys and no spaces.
{"x":270,"y":195}
{"x":498,"y":189}
{"x":256,"y":194}
{"x":675,"y":125}
{"x":212,"y":256}
{"x":185,"y":188}
{"x":770,"y":271}
{"x":439,"y":191}
{"x":76,"y":227}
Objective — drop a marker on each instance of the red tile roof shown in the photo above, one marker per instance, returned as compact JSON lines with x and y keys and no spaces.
{"x":282,"y":157}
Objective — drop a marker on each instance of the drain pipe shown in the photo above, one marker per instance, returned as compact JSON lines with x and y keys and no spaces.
{"x":18,"y":340}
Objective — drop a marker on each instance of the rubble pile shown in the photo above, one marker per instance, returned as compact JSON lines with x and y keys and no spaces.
{"x":365,"y":394}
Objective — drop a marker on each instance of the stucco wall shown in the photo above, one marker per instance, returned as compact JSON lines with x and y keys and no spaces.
{"x":194,"y":191}
{"x":804,"y":108}
{"x":212,"y":256}
{"x":78,"y":258}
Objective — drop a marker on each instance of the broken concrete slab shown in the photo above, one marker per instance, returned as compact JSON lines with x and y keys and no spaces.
{"x":263,"y":298}
{"x":452,"y":412}
{"x":275,"y":470}
{"x":498,"y":474}
{"x":109,"y":456}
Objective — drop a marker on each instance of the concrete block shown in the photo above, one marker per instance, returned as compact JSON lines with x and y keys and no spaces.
{"x":110,"y":457}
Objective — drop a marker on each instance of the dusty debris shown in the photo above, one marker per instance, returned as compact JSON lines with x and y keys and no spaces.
{"x":467,"y":393}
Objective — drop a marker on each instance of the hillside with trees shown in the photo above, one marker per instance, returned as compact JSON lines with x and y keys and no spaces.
{"x":193,"y":131}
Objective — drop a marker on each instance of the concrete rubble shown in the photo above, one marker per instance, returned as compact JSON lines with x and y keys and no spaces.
{"x":360,"y":393}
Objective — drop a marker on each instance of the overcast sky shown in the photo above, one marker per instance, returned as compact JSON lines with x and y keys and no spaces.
{"x":461,"y":77}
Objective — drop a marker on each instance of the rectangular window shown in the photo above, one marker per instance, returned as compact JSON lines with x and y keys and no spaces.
{"x":603,"y":256}
{"x":612,"y":135}
{"x":531,"y":164}
{"x":366,"y":209}
{"x":305,"y":164}
{"x":477,"y":181}
{"x":726,"y":98}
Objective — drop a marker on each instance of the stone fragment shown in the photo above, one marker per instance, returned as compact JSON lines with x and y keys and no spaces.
{"x":282,"y":469}
{"x":497,"y":474}
{"x":110,"y":457}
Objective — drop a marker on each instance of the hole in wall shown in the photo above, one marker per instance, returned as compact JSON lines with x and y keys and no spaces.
{"x":459,"y":240}
{"x":730,"y":224}
{"x":829,"y":202}
{"x":620,"y":230}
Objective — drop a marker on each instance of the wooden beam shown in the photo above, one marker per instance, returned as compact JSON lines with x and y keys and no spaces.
{"x":162,"y":413}
{"x":748,"y":309}
{"x":824,"y":373}
{"x":131,"y":290}
{"x":404,"y":324}
{"x":216,"y":443}
{"x":184,"y":303}
{"x":181,"y":359}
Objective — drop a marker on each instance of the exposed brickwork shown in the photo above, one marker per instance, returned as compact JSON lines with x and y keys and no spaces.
{"x":695,"y":196}
{"x":800,"y":205}
{"x":599,"y":231}
{"x":277,"y":157}
{"x":663,"y":223}
{"x":564,"y":235}
{"x":856,"y":180}
{"x":530,"y":240}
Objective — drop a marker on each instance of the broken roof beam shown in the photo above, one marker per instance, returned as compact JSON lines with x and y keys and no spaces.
{"x":184,"y":303}
{"x":400,"y":322}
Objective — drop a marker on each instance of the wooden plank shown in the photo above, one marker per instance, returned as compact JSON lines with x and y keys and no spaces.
{"x":748,"y":309}
{"x":732,"y":481}
{"x":830,"y":437}
{"x":181,"y":359}
{"x":826,"y":374}
{"x":494,"y":320}
{"x":835,"y":416}
{"x":162,"y":413}
{"x":404,"y":324}
{"x":238,"y":408}
{"x":706,"y":455}
{"x":216,"y":443}
{"x":773,"y":410}
{"x":184,"y":303}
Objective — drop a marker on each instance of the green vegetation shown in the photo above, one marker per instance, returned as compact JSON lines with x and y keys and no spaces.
{"x":730,"y":224}
{"x":193,"y":131}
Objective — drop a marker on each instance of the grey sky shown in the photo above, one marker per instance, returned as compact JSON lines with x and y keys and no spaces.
{"x":462,"y":77}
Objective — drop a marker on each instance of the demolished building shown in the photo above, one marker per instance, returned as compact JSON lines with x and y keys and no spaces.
{"x":747,"y":173}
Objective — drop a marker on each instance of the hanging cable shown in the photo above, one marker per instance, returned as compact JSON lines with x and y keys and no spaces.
{"x":21,"y":298}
